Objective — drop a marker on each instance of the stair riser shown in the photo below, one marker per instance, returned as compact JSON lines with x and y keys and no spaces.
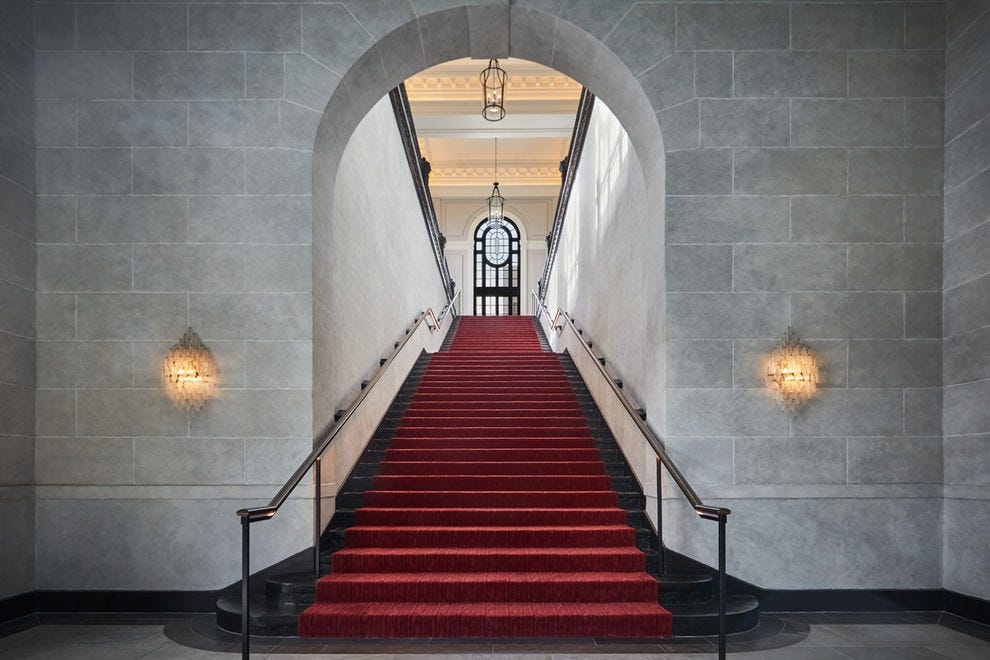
{"x":451,"y":592}
{"x":455,"y":537}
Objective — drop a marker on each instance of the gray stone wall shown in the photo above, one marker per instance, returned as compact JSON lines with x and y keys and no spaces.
{"x":174,"y":157}
{"x":804,"y":156}
{"x":804,"y":177}
{"x":966,"y":282}
{"x":17,"y":283}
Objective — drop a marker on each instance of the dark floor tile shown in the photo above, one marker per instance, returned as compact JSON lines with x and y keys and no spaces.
{"x":891,"y":653}
{"x":689,"y":647}
{"x":21,"y":624}
{"x":294,"y":645}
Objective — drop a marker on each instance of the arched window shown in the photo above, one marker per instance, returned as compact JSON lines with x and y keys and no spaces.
{"x":496,"y":269}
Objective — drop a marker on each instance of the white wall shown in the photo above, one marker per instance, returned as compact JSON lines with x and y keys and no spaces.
{"x":609,"y":271}
{"x":376,"y":271}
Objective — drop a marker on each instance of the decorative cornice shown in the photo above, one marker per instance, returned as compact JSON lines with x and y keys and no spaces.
{"x":528,"y":175}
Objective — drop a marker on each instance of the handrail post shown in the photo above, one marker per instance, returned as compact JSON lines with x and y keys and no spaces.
{"x":722,"y":514}
{"x":661,"y":555}
{"x":245,"y":587}
{"x":317,"y":516}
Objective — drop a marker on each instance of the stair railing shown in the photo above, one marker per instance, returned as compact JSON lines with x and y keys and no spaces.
{"x":568,"y":170}
{"x":322,"y":443}
{"x":557,"y":324}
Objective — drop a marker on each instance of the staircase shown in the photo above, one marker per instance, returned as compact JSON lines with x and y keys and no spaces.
{"x":491,"y":514}
{"x":492,"y":502}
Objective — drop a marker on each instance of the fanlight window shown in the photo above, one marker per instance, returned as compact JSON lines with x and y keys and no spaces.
{"x":496,"y":269}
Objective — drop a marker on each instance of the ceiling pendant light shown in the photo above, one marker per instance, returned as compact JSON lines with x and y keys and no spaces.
{"x":496,"y":203}
{"x":493,"y":79}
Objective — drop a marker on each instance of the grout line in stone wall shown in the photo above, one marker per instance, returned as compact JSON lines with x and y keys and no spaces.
{"x":133,"y":461}
{"x":75,"y":316}
{"x":904,"y":140}
{"x":245,"y":75}
{"x":904,"y":26}
{"x":732,"y":74}
{"x":847,"y":74}
{"x":790,"y":122}
{"x":283,"y":76}
{"x":847,"y":460}
{"x":904,"y":219}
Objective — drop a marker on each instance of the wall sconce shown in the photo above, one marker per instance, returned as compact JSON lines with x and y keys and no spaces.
{"x":792,"y":373}
{"x":189,"y":373}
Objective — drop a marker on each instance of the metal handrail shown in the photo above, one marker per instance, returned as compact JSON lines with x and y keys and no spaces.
{"x":267,"y":512}
{"x":706,"y":511}
{"x":569,"y":166}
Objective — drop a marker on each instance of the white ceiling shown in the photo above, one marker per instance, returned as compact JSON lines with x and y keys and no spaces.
{"x":533,"y":138}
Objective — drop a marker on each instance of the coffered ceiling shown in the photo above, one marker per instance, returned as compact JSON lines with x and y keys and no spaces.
{"x":533,"y":138}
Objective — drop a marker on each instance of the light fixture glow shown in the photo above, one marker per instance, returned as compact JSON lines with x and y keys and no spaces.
{"x":189,"y":373}
{"x":792,"y":372}
{"x":493,"y":79}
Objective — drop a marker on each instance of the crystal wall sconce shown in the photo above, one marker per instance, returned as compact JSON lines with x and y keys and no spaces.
{"x":792,"y":373}
{"x":189,"y":373}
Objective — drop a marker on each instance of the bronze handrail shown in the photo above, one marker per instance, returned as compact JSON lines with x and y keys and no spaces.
{"x":267,"y":512}
{"x":706,"y":511}
{"x":328,"y":436}
{"x":568,"y":169}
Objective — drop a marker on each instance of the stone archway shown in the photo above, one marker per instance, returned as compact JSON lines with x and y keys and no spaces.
{"x":402,"y":44}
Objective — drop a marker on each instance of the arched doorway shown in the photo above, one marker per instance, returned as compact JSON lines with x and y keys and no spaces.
{"x":496,"y":269}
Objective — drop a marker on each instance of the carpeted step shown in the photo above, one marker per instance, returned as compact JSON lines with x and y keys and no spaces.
{"x":454,"y":517}
{"x":491,"y":482}
{"x":580,"y":587}
{"x":390,"y":619}
{"x":496,"y":499}
{"x":534,"y":468}
{"x":483,"y":442}
{"x":458,"y":560}
{"x":489,"y":454}
{"x":523,"y":421}
{"x":494,"y":433}
{"x":530,"y":536}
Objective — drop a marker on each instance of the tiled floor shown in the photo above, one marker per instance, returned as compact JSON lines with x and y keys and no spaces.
{"x":920,"y":636}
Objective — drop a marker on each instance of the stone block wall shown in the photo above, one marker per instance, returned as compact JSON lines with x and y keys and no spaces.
{"x":173,"y":181}
{"x":966,"y":283}
{"x":17,"y":284}
{"x":804,"y":190}
{"x":804,"y":172}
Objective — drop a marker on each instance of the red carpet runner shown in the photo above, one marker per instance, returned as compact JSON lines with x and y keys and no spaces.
{"x":492,"y":515}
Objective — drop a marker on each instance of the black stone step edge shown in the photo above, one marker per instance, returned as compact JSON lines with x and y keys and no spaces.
{"x":448,"y":340}
{"x":541,"y":335}
{"x":271,"y":617}
{"x":692,"y":608}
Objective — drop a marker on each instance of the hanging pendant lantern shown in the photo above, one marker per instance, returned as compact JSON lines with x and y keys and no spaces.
{"x":792,"y":373}
{"x":493,"y":79}
{"x":189,"y":373}
{"x":496,"y":207}
{"x":496,"y":203}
